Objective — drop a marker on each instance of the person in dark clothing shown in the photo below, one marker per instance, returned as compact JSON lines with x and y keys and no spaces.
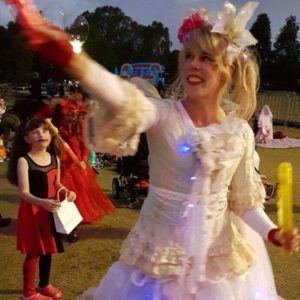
{"x":136,"y":168}
{"x":35,"y":86}
{"x":61,"y":90}
{"x":51,"y":87}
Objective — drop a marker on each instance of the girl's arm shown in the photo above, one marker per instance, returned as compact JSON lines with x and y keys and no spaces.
{"x":58,"y":177}
{"x":23,"y":183}
{"x":70,"y":194}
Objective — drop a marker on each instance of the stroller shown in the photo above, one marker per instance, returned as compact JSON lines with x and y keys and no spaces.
{"x":134,"y":177}
{"x":103,"y":159}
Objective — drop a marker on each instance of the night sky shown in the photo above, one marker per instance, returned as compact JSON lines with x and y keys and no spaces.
{"x":169,"y":12}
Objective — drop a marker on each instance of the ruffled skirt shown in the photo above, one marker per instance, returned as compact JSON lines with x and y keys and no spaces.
{"x":126,"y":283}
{"x":150,"y":268}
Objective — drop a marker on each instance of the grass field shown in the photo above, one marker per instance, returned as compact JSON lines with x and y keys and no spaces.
{"x":84,"y":263}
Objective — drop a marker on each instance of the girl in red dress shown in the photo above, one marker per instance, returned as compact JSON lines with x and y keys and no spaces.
{"x":81,"y":178}
{"x":36,"y":172}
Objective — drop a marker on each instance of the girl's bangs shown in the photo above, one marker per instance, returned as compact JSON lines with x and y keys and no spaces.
{"x":34,"y":124}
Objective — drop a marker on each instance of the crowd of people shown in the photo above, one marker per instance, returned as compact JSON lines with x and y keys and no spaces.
{"x":200,"y":233}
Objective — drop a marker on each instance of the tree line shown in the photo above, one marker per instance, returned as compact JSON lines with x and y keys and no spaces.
{"x":115,"y":39}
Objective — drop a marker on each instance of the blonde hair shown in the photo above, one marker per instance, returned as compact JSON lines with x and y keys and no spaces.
{"x":239,"y":80}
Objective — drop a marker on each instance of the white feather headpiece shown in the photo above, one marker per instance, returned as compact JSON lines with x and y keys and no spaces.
{"x":229,"y":23}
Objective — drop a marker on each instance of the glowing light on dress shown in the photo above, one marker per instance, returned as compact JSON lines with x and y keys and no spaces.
{"x":184,"y":148}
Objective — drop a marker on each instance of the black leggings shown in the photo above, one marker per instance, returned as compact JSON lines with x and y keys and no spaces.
{"x":44,"y":268}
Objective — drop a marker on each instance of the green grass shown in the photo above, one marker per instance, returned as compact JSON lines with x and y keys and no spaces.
{"x":85,"y":262}
{"x":286,"y":269}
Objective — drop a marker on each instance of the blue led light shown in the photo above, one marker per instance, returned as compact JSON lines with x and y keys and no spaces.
{"x":193,"y":178}
{"x":184,"y":148}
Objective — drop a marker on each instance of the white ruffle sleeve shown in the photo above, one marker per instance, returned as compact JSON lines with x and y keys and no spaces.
{"x":247,"y":192}
{"x":246,"y":189}
{"x":121,"y":111}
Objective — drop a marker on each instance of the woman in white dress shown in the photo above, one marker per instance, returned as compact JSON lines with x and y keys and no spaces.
{"x":265,"y":125}
{"x":201,"y":229}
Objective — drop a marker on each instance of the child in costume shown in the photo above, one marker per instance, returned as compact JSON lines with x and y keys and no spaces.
{"x":91,"y":201}
{"x":199,"y":233}
{"x":37,"y":174}
{"x":265,"y":125}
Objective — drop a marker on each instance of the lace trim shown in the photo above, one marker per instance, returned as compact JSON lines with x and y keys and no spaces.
{"x":118,"y":131}
{"x":235,"y":263}
{"x":232,"y":258}
{"x":249,"y":196}
{"x":241,"y":202}
{"x":156,"y":261}
{"x":224,"y":260}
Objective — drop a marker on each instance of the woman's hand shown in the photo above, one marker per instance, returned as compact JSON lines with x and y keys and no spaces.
{"x":50,"y":205}
{"x":289,"y":241}
{"x":71,"y":196}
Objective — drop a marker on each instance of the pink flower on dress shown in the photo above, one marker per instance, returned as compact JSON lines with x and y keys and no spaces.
{"x":189,"y":24}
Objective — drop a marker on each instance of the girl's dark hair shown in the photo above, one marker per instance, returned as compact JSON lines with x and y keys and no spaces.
{"x":21,"y":148}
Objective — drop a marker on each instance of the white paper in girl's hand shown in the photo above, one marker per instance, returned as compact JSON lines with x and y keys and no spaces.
{"x":67,"y":217}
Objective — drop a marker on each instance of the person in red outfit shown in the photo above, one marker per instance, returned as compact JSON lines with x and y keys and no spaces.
{"x":91,"y":201}
{"x":37,"y":174}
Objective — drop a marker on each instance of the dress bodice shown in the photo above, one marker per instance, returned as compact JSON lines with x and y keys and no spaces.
{"x":42,"y":179}
{"x":173,"y":143}
{"x":195,"y":181}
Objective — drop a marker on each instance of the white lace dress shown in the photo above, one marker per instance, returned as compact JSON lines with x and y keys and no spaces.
{"x":189,"y":242}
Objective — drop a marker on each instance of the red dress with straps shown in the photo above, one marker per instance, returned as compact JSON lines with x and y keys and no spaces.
{"x":90,"y":201}
{"x":36,"y":232}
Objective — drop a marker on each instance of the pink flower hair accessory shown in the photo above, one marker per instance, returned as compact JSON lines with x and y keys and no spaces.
{"x":192,"y":22}
{"x":230,"y":23}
